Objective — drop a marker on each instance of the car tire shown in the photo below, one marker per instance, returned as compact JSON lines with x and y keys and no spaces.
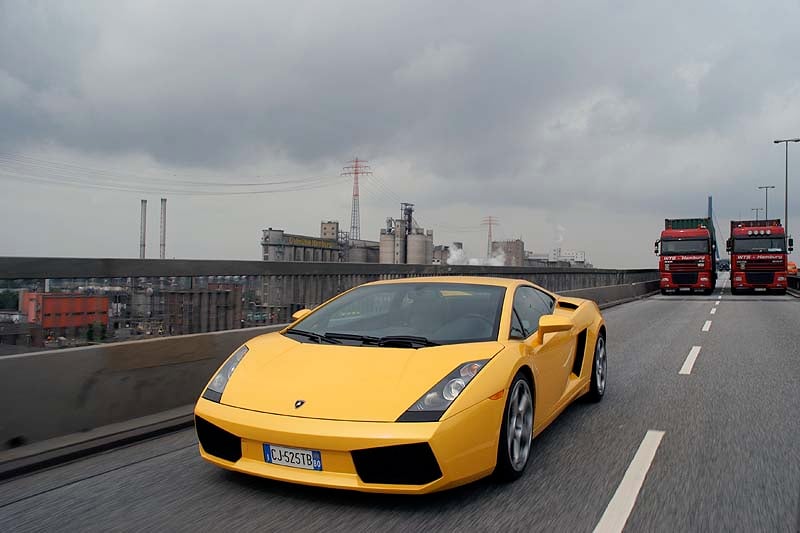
{"x":597,"y":386}
{"x":516,"y":430}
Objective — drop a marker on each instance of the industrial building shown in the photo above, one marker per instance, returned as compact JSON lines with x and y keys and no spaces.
{"x":513,"y":252}
{"x":573,"y":257}
{"x":202,"y":310}
{"x":402,"y":241}
{"x":277,"y":245}
{"x":332,"y":246}
{"x":60,"y":311}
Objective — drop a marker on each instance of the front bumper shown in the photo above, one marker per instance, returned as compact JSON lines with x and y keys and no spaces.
{"x":740,"y":280}
{"x":704,"y":282}
{"x":464,"y":445}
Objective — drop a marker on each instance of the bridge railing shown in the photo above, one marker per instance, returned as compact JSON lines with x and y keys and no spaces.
{"x":150,"y":298}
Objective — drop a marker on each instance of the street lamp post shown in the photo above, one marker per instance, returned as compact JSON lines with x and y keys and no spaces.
{"x":786,"y":183}
{"x":766,"y":199}
{"x":756,"y":209}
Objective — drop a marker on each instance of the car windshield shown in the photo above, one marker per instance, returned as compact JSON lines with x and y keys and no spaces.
{"x":684,"y":246}
{"x":420,"y":314}
{"x":745,"y":245}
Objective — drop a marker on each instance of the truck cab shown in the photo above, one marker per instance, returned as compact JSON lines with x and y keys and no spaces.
{"x":759,"y":253}
{"x":686,"y":258}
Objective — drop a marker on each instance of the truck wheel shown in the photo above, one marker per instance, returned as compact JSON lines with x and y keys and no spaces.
{"x":734,"y":291}
{"x":664,"y":292}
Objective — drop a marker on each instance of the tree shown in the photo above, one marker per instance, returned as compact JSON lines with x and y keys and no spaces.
{"x":9,"y":300}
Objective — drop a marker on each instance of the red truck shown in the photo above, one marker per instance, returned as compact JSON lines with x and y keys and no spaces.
{"x":759,"y":251}
{"x":688,"y":260}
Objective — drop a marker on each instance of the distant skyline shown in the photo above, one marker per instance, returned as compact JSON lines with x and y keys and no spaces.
{"x":580,"y":125}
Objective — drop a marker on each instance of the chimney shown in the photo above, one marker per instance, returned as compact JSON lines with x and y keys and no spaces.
{"x":143,"y":229}
{"x":163,"y":245}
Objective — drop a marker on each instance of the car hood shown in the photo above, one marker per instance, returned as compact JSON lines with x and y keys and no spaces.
{"x":335,"y":382}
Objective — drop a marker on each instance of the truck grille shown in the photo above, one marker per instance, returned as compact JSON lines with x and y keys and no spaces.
{"x":759,"y":277}
{"x":690,"y":266}
{"x":684,"y":278}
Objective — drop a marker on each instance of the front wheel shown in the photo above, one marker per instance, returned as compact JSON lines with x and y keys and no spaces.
{"x":516,"y":434}
{"x":597,"y":387}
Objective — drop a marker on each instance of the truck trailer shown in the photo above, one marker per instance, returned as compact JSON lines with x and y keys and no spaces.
{"x":759,"y":252}
{"x":687,"y":255}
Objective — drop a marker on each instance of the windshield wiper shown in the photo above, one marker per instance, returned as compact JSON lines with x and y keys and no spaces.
{"x":403,"y":341}
{"x":352,"y":337}
{"x":406,"y":339}
{"x":313,"y":336}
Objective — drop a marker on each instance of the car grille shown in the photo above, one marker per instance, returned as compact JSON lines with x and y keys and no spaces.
{"x":406,"y":464}
{"x":218,"y":442}
{"x":684,"y":278}
{"x":759,"y":277}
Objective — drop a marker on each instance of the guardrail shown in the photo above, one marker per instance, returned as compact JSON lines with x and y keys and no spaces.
{"x":173,"y":297}
{"x":793,"y":282}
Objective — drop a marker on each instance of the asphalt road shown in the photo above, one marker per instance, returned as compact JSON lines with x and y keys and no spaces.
{"x":729,"y":458}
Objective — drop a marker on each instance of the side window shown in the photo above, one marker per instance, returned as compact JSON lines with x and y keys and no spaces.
{"x":517,"y":331}
{"x":529,"y":305}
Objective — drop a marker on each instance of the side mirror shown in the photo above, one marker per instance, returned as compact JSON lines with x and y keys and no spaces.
{"x":302,"y":313}
{"x":791,"y":245}
{"x":655,"y":247}
{"x":728,"y":245}
{"x":553,"y":324}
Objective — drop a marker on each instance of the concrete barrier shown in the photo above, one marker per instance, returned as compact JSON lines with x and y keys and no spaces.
{"x":614,"y":294}
{"x":56,"y":393}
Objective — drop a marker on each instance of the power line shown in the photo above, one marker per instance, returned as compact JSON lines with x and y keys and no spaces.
{"x":32,"y":170}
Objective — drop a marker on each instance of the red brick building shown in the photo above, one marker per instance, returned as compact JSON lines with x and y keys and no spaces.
{"x":63,"y":310}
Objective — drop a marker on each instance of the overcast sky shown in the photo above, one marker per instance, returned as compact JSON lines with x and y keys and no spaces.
{"x":586,"y":123}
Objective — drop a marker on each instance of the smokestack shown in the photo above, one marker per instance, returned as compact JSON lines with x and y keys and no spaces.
{"x":143,"y":229}
{"x":162,"y":252}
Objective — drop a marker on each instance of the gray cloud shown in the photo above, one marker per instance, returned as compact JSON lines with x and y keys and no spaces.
{"x":632,"y":108}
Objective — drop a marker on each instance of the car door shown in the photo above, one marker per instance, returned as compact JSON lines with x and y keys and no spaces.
{"x":551,"y":359}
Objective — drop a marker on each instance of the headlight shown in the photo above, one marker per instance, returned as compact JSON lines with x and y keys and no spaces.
{"x":435,"y":402}
{"x":214,"y":390}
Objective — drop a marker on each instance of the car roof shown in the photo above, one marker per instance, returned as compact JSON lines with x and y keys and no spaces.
{"x":468,"y":280}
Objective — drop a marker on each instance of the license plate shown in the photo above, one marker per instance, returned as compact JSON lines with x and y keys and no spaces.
{"x":294,"y":457}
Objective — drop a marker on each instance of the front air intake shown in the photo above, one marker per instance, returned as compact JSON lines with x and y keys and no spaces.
{"x":406,"y":464}
{"x":218,"y":442}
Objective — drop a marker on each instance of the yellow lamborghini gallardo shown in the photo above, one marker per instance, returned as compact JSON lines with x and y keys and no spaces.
{"x":404,"y":386}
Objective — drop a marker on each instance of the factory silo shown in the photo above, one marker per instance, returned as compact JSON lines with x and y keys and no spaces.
{"x":417,"y":246}
{"x":386,"y":248}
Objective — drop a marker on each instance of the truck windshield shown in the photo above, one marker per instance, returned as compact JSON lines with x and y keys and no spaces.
{"x":686,"y":246}
{"x":747,"y":245}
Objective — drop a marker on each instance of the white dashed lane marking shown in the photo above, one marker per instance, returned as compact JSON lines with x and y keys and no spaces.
{"x":686,"y":369}
{"x":713,"y":310}
{"x":621,"y":504}
{"x":707,"y":325}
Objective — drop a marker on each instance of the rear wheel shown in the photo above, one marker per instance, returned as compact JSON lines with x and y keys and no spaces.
{"x":597,"y":387}
{"x":516,"y":434}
